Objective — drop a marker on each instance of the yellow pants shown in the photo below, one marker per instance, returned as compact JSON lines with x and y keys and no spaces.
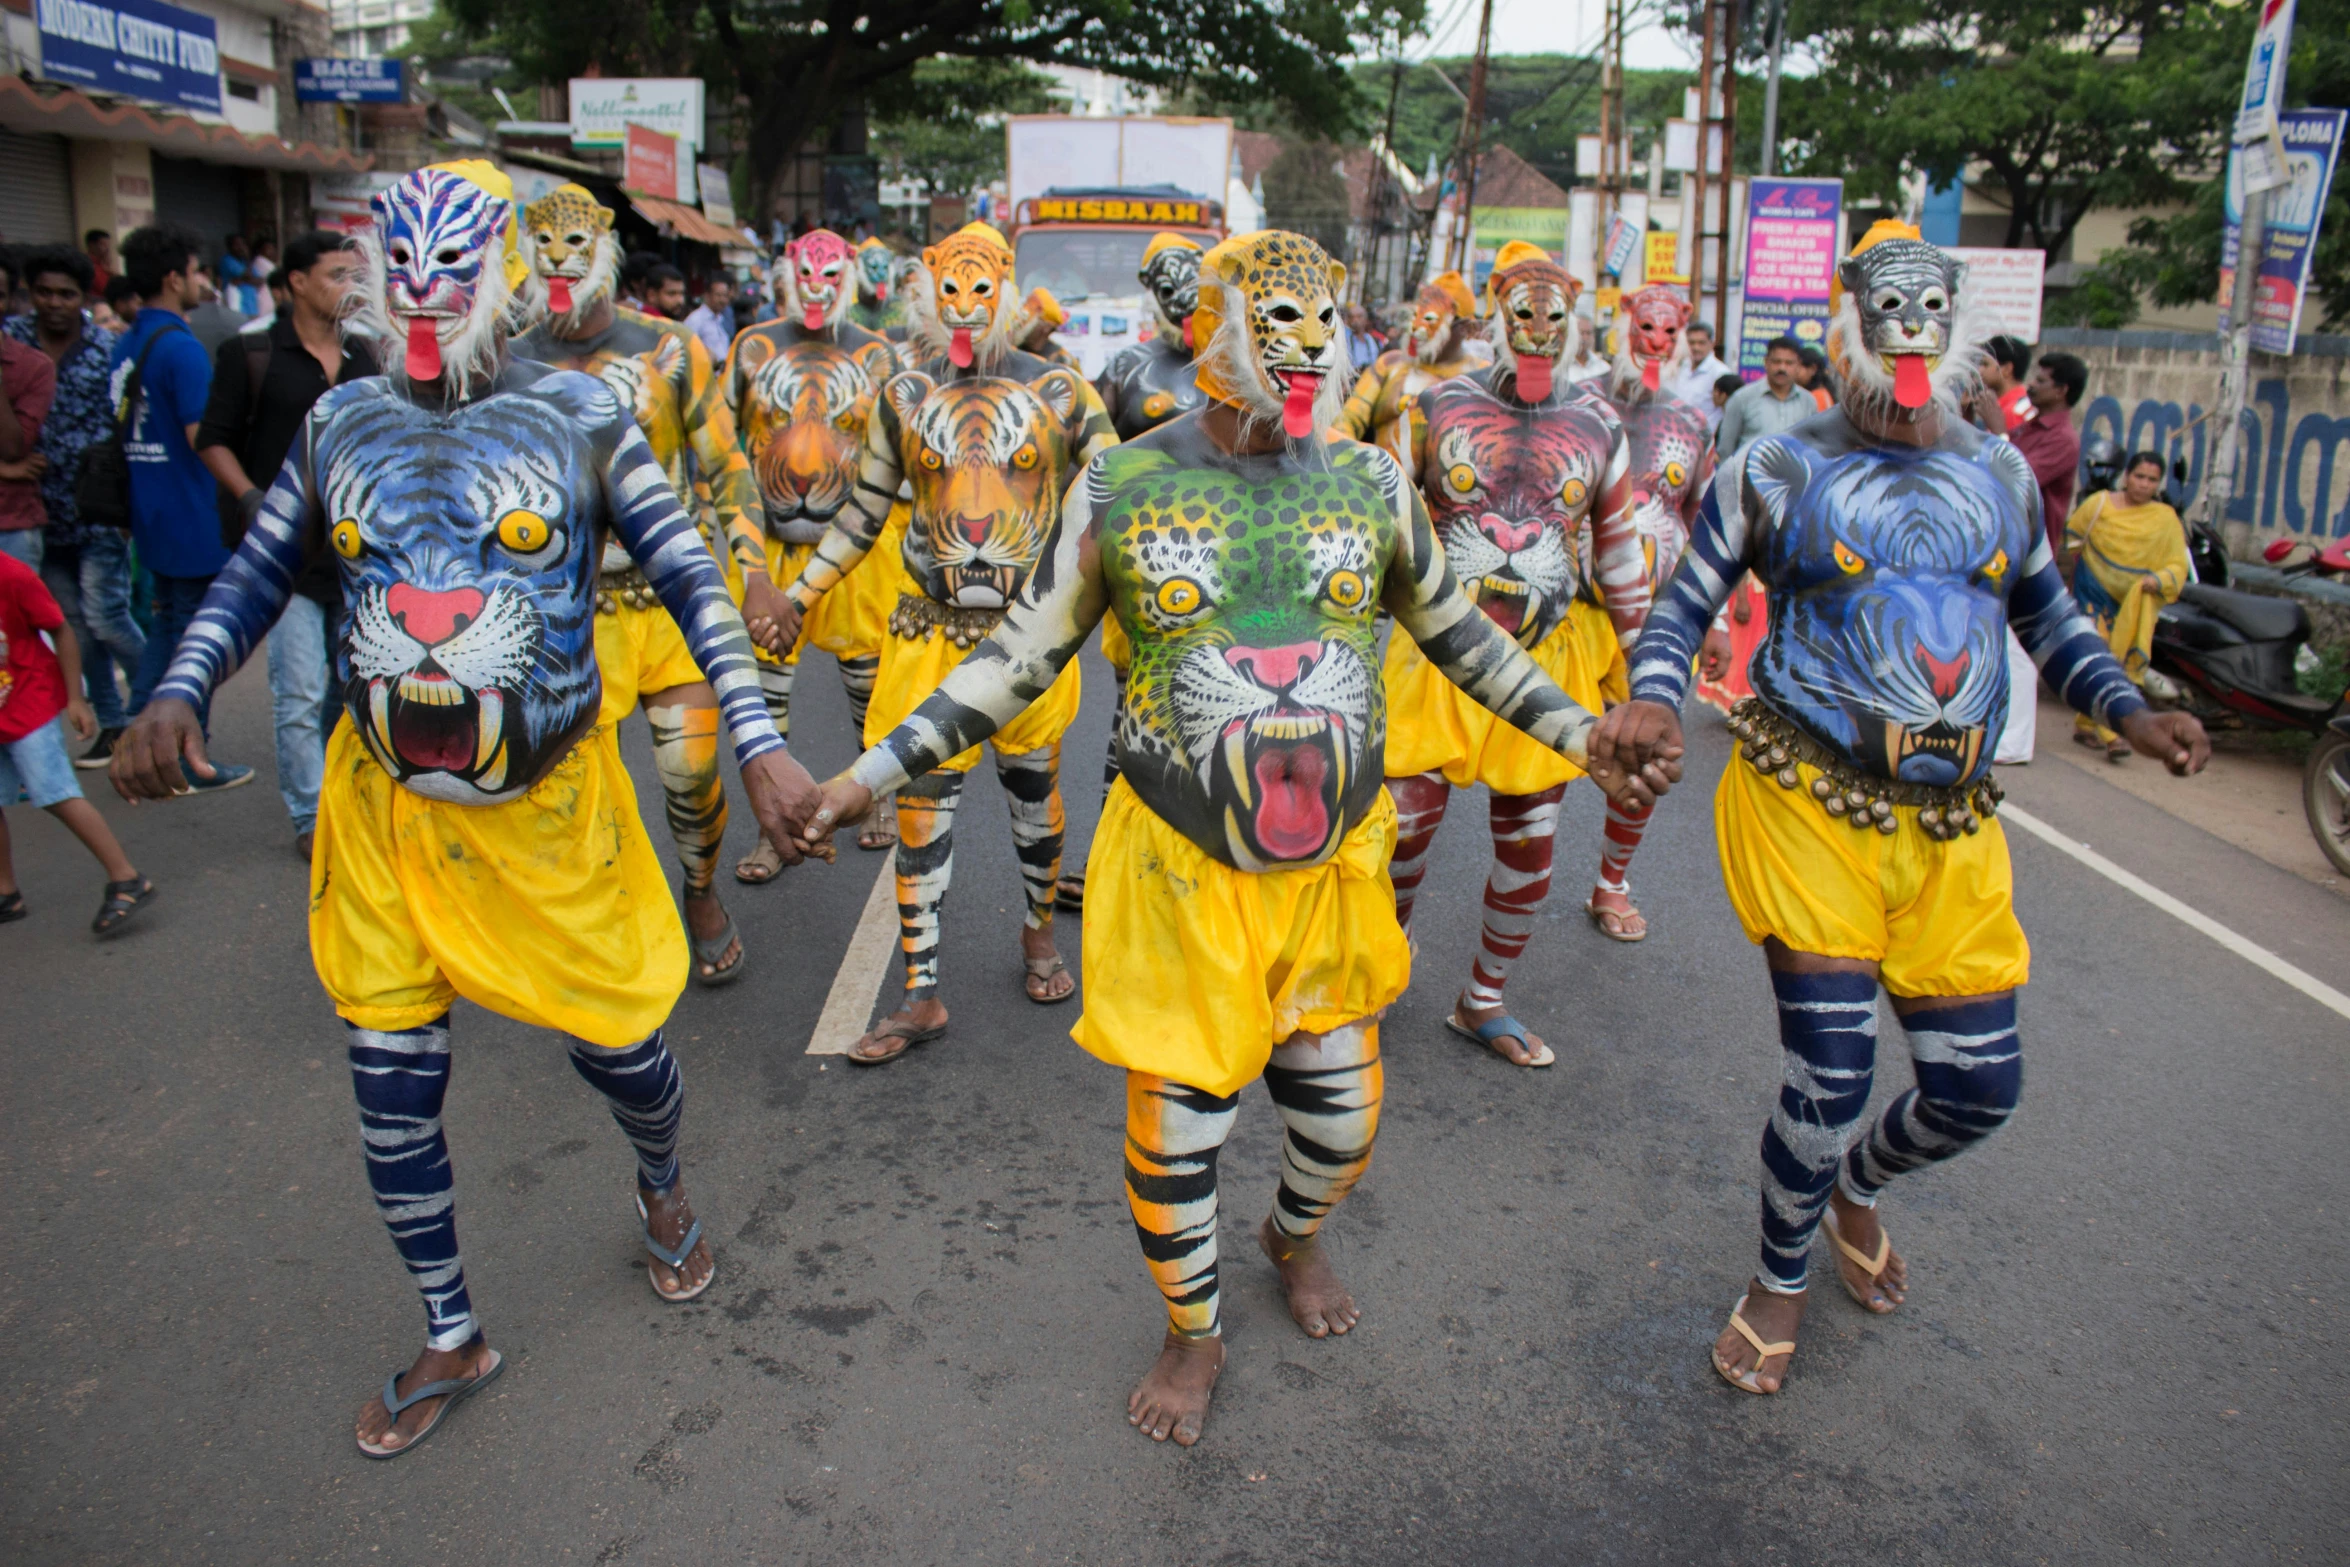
{"x":1194,"y":971}
{"x":639,"y":650}
{"x":550,"y":909}
{"x":851,"y":620}
{"x":1937,"y":918}
{"x":1435,"y":726}
{"x":1116,"y":646}
{"x":912,"y":668}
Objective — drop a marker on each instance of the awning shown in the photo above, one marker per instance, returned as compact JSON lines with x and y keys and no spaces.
{"x":675,"y":217}
{"x":61,"y":111}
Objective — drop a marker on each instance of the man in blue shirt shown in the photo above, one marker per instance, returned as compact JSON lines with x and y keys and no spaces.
{"x":174,"y":520}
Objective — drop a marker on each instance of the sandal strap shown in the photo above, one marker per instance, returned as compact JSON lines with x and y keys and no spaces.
{"x":394,"y":1403}
{"x":685,"y":1248}
{"x":1766,"y":1351}
{"x":1872,"y":1266}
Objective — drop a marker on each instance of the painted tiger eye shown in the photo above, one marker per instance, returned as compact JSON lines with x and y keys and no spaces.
{"x":1998,"y":566}
{"x":1025,"y":457}
{"x":1345,"y":589}
{"x":930,"y":459}
{"x":1178,"y":596}
{"x":524,"y":532}
{"x":1573,"y":492}
{"x":1461,"y":477}
{"x":1847,"y":562}
{"x":346,"y":538}
{"x":1676,"y":474}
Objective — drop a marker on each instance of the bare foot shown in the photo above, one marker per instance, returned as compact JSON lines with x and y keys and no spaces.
{"x":379,"y":1433}
{"x":1526,"y":1051}
{"x":899,"y":1032}
{"x":705,"y":917}
{"x":1317,"y":1300}
{"x":760,"y":866}
{"x":1774,"y":1319}
{"x":1857,"y":1227}
{"x":670,"y":1218}
{"x":1172,"y":1398}
{"x":1048,"y":979}
{"x":1613,"y":913}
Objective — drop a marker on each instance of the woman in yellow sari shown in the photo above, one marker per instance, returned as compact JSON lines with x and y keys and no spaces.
{"x":2126,"y":554}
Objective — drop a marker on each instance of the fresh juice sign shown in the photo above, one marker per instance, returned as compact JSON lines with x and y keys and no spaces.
{"x":1792,"y":231}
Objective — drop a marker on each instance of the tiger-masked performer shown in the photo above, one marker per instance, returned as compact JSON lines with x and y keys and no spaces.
{"x":878,"y":307}
{"x":1897,"y":544}
{"x":662,"y":373}
{"x":1438,"y":345}
{"x":1672,"y":461}
{"x":802,"y":390}
{"x":477,"y":835}
{"x":1145,"y":385}
{"x":1041,"y":315}
{"x":1239,"y":921}
{"x":1525,"y":483}
{"x":988,"y":436}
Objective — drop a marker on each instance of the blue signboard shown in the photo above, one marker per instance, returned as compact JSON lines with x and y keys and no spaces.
{"x":347,"y":81}
{"x":2313,"y":145}
{"x":139,"y":48}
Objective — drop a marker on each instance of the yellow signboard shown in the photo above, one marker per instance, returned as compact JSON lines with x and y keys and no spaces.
{"x":1663,"y":262}
{"x":1113,"y":209}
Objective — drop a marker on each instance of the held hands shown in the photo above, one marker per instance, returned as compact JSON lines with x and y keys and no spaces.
{"x":782,"y":794}
{"x":2176,"y":740}
{"x":842,"y":802}
{"x":1636,"y":752}
{"x":771,"y":616}
{"x":147,"y":760}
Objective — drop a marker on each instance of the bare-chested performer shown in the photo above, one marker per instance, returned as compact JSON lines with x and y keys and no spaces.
{"x":1440,"y":344}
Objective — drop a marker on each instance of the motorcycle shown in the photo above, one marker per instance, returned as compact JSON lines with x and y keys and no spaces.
{"x":2232,"y":659}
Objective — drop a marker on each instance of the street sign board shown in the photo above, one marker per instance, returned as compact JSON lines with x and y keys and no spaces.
{"x":2257,"y":115}
{"x":2313,"y":146}
{"x":1793,"y":228}
{"x":649,"y":161}
{"x":2003,"y":288}
{"x":139,"y":48}
{"x":348,"y":81}
{"x":1623,"y":246}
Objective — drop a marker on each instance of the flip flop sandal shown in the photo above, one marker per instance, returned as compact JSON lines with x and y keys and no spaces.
{"x":12,"y":907}
{"x":712,"y":950}
{"x":123,"y":899}
{"x":2119,"y":751}
{"x":1762,"y":1352}
{"x":1069,"y":893}
{"x":1045,"y":969}
{"x":2083,"y":737}
{"x":1619,"y":931}
{"x":1874,"y":1267}
{"x":676,"y":1259}
{"x":881,"y":826}
{"x":898,"y":1030}
{"x":759,"y":867}
{"x":452,"y":1392}
{"x":1503,"y":1027}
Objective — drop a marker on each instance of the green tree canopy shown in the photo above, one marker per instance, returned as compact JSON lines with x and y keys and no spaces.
{"x":942,"y":125}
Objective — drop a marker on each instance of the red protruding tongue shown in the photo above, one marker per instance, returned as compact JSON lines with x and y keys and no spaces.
{"x":559,"y":295}
{"x":1292,"y":823}
{"x":1188,"y":345}
{"x":1534,"y":377}
{"x":1913,"y":385}
{"x":959,"y":348}
{"x":1652,"y":373}
{"x":424,"y":349}
{"x":812,"y":316}
{"x":1297,"y":409}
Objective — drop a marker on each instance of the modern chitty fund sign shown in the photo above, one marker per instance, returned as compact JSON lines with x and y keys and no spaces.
{"x":1794,"y":229}
{"x":138,"y":48}
{"x":348,"y":81}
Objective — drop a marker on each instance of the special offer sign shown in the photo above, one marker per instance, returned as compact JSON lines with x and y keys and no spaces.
{"x":1793,"y":229}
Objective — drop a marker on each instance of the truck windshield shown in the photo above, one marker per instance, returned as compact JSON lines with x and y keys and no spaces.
{"x":1077,"y":264}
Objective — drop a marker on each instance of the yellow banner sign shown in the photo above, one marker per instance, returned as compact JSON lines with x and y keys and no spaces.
{"x":1113,"y":209}
{"x":1664,"y":259}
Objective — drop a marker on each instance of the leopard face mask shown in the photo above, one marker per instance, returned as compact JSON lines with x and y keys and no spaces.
{"x":1267,"y":323}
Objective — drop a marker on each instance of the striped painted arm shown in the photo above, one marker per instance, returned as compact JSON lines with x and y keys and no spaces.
{"x":1616,"y":558}
{"x":668,"y":548}
{"x":2064,"y":642}
{"x":1710,"y":567}
{"x":245,"y":600}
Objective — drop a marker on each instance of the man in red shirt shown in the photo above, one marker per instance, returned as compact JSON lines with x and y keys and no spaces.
{"x":28,"y":384}
{"x":34,"y":686}
{"x":2048,"y":440}
{"x":2002,"y":405}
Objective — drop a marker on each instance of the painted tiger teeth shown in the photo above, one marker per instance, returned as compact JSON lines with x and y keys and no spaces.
{"x":1236,"y":763}
{"x":492,"y":727}
{"x":379,"y":714}
{"x":1286,"y":726}
{"x":431,"y":690}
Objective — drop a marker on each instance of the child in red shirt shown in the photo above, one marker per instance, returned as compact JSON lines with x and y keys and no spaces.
{"x":37,"y":686}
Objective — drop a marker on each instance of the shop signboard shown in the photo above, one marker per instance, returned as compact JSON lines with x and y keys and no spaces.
{"x":2004,"y":288}
{"x":138,"y":48}
{"x":649,"y":161}
{"x":2312,"y":140}
{"x":603,"y":106}
{"x":348,"y":81}
{"x":1793,"y":228}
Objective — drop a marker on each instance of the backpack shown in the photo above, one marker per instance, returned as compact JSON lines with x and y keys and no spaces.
{"x":102,"y":490}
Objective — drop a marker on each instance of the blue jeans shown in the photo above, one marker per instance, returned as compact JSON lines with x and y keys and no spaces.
{"x":176,"y":601}
{"x":24,"y":544}
{"x":302,"y":702}
{"x":92,"y":584}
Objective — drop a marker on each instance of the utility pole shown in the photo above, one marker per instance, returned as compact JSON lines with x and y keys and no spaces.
{"x":1717,"y":96}
{"x":2236,"y":363}
{"x":1472,"y":132}
{"x":1379,"y":186}
{"x":1612,"y":163}
{"x":1770,"y":125}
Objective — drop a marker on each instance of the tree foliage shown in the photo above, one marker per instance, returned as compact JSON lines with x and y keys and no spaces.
{"x":942,"y":128}
{"x":1536,"y":105}
{"x":800,"y":64}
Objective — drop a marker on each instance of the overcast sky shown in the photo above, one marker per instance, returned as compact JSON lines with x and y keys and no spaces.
{"x":1548,"y":27}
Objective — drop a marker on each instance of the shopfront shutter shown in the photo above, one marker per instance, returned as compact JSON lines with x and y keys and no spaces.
{"x":36,"y":190}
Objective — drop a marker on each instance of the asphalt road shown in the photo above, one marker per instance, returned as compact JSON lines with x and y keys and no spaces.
{"x":2122,"y":1342}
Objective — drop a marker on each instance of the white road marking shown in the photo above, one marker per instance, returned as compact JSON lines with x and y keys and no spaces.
{"x":2244,"y":947}
{"x":849,"y":1006}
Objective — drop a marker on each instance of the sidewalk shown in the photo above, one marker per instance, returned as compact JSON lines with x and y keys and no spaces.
{"x":2247,"y":797}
